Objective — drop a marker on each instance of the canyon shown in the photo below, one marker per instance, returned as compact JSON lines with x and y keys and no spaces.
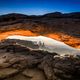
{"x":59,"y":26}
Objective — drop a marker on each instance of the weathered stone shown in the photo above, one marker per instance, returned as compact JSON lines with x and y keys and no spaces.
{"x":7,"y":72}
{"x":35,"y":74}
{"x":38,"y":65}
{"x":4,"y":65}
{"x":19,"y":77}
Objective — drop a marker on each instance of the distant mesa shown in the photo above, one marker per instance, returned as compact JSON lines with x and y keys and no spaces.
{"x":16,"y":16}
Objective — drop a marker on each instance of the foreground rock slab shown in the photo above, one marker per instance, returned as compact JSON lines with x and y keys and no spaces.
{"x":38,"y":65}
{"x":4,"y":73}
{"x":34,"y":74}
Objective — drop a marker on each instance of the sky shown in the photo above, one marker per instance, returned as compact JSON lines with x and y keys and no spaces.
{"x":38,"y":7}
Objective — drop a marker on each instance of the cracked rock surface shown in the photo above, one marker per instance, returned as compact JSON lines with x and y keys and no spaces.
{"x":37,"y":65}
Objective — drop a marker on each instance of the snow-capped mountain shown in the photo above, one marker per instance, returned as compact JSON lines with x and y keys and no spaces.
{"x":48,"y":44}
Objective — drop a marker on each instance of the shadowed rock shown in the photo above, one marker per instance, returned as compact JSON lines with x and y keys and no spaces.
{"x":37,"y":65}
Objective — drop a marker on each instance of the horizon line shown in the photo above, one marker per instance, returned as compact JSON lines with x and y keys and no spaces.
{"x":38,"y":14}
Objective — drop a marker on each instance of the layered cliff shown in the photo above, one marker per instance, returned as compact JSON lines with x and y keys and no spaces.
{"x":63,"y":27}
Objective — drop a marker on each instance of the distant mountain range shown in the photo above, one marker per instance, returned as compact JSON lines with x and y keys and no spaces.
{"x":16,"y":16}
